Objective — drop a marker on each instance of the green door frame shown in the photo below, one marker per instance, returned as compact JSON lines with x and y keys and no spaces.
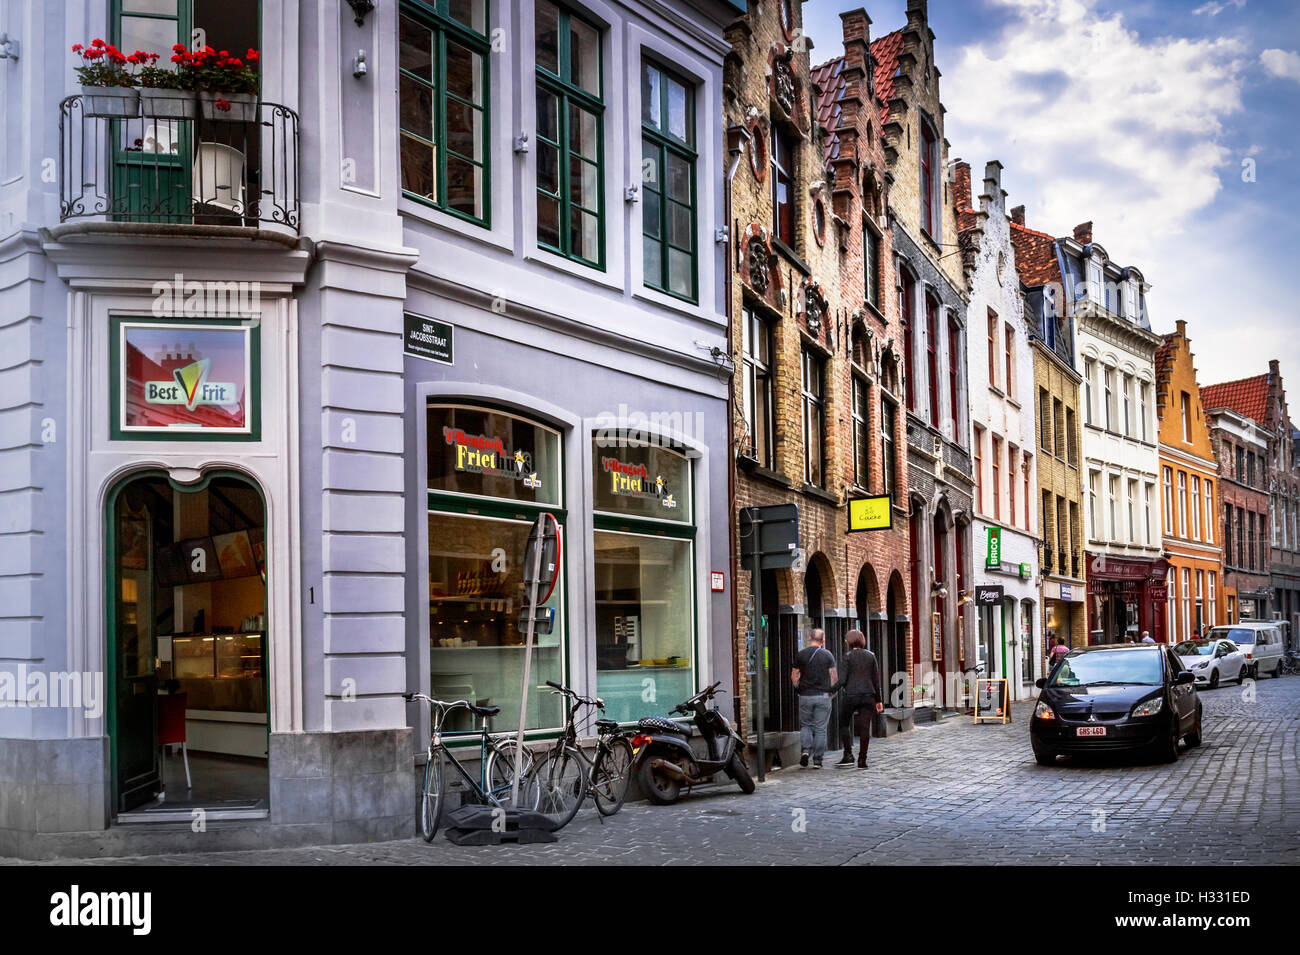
{"x":110,"y":596}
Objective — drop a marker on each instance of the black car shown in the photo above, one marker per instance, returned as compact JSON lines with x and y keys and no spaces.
{"x":1116,"y":697}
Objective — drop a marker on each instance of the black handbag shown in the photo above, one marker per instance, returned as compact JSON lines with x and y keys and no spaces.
{"x":878,"y":725}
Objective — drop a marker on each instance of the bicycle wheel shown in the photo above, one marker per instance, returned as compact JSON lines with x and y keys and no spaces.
{"x":611,"y":775}
{"x":431,"y":796}
{"x":558,"y":785}
{"x":501,"y":773}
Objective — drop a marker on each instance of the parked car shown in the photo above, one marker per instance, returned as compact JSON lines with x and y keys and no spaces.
{"x":1116,"y":697}
{"x":1213,"y":660}
{"x":1260,"y":640}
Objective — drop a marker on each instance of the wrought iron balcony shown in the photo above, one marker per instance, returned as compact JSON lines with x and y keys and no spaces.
{"x":167,"y":170}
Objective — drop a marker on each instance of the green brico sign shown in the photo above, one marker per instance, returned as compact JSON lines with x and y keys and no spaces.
{"x":995,"y":547}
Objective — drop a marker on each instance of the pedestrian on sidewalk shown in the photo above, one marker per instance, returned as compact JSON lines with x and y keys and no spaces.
{"x":862,"y":698}
{"x":813,"y":674}
{"x":1057,"y":653}
{"x":1146,"y":636}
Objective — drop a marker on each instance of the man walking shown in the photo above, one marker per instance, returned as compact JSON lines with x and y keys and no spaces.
{"x":813,"y":674}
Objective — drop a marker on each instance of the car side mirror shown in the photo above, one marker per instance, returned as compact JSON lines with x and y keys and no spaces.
{"x":1186,"y":676}
{"x":1041,"y":682}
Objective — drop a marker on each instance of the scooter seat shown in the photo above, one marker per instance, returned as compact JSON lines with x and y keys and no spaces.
{"x":660,"y":724}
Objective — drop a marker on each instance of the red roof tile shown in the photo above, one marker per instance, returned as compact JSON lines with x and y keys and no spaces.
{"x":885,"y":51}
{"x":828,"y":79}
{"x":1035,"y":256}
{"x":1246,"y":396}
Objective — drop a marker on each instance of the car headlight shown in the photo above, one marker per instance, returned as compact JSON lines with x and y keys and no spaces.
{"x":1149,"y":707}
{"x":1043,"y":712}
{"x":1201,"y":666}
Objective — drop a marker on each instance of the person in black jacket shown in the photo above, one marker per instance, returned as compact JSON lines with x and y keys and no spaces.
{"x":862,"y":697}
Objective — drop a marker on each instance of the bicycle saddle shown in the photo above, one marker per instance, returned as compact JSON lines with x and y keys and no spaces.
{"x":484,"y":710}
{"x":659,"y":724}
{"x":607,"y":725}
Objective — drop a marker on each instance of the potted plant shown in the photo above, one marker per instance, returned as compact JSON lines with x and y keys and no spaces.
{"x":163,"y":92}
{"x":107,"y":83}
{"x":227,"y":85}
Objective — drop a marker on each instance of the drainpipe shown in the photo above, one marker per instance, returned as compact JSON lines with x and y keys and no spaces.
{"x":737,"y":137}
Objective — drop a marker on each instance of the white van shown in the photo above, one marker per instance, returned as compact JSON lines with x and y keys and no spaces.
{"x":1260,"y":640}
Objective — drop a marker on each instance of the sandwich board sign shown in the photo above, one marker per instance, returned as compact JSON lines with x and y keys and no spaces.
{"x":992,"y":701}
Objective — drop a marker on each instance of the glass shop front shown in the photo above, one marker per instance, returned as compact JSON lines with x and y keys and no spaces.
{"x":490,"y":473}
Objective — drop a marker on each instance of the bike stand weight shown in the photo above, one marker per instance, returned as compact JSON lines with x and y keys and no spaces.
{"x":491,"y":826}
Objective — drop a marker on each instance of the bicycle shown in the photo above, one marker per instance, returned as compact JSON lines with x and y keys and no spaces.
{"x":563,"y":775}
{"x":1290,"y":663}
{"x":496,"y":762}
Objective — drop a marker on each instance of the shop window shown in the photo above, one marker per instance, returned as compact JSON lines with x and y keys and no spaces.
{"x":489,"y":473}
{"x":570,"y":133}
{"x":443,"y":83}
{"x":668,"y":182}
{"x":644,"y":570}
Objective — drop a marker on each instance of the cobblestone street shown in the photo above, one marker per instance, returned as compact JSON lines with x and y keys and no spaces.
{"x":951,"y":793}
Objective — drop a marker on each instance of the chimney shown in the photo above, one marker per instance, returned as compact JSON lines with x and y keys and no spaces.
{"x":961,"y":188}
{"x":1083,"y":233}
{"x":1018,"y":215}
{"x":1181,"y":325}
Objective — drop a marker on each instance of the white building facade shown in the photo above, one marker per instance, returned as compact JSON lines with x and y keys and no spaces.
{"x":1005,"y":568}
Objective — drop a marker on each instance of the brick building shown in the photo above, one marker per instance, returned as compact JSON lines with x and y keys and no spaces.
{"x":817,"y":390}
{"x":1002,"y":403}
{"x":1236,"y":411}
{"x":932,"y":318}
{"x":1060,"y":435}
{"x":1189,"y":481}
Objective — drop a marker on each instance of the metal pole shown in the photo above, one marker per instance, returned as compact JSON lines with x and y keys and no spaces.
{"x":528,"y":658}
{"x":760,"y":642}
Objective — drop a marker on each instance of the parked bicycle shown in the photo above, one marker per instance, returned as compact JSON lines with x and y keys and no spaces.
{"x":496,"y":763}
{"x":564,"y":774}
{"x":1290,"y":663}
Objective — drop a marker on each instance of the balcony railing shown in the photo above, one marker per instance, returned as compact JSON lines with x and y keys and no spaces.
{"x":163,"y":170}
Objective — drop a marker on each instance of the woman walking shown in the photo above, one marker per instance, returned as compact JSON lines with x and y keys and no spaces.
{"x":862,"y":697}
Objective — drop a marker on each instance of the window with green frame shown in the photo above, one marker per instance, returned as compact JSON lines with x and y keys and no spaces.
{"x":570,"y":136}
{"x":644,"y":567}
{"x":443,"y":84}
{"x":668,"y":182}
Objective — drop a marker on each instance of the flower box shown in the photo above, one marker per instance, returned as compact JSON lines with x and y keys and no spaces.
{"x":116,"y":102}
{"x":230,"y":107}
{"x":168,"y":103}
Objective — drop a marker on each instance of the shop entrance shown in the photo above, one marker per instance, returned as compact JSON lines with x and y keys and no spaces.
{"x":188,"y":716}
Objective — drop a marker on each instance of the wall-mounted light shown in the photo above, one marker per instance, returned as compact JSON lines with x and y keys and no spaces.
{"x":361,"y":8}
{"x":359,"y":64}
{"x":8,"y":47}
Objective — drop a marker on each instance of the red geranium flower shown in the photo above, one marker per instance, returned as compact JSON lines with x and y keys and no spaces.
{"x":96,"y":42}
{"x":178,"y":47}
{"x":222,"y":105}
{"x":77,"y":48}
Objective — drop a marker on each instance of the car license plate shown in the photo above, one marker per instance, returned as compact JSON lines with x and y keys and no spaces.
{"x":1090,"y":731}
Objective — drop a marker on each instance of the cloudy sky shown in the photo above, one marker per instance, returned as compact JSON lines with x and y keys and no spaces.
{"x":1170,"y":124}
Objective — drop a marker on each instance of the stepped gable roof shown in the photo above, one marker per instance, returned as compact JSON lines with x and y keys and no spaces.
{"x":1246,"y":396}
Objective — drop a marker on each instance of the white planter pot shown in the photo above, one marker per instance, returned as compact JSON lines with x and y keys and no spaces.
{"x":168,"y":104}
{"x":116,"y":102}
{"x":241,"y":107}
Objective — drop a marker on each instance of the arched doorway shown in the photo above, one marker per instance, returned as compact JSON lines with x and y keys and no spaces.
{"x":186,"y":645}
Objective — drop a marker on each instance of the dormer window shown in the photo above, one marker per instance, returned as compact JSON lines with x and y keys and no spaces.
{"x":1130,"y":300}
{"x":1094,"y":281}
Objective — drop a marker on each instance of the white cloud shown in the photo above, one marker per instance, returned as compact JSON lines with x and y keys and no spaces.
{"x":1283,"y":63}
{"x":1214,"y":8}
{"x":1095,"y":122}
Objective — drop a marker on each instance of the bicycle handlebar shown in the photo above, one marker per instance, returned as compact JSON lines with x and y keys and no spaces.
{"x":585,"y":700}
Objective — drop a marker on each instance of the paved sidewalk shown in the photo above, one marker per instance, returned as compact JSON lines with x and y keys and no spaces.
{"x":941,"y":794}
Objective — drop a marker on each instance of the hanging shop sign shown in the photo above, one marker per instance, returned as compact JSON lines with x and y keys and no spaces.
{"x":184,"y":380}
{"x":936,"y":635}
{"x":870,"y":513}
{"x":486,"y":455}
{"x":1025,"y":571}
{"x":633,"y":480}
{"x":988,"y":596}
{"x":428,"y":338}
{"x":995,"y":547}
